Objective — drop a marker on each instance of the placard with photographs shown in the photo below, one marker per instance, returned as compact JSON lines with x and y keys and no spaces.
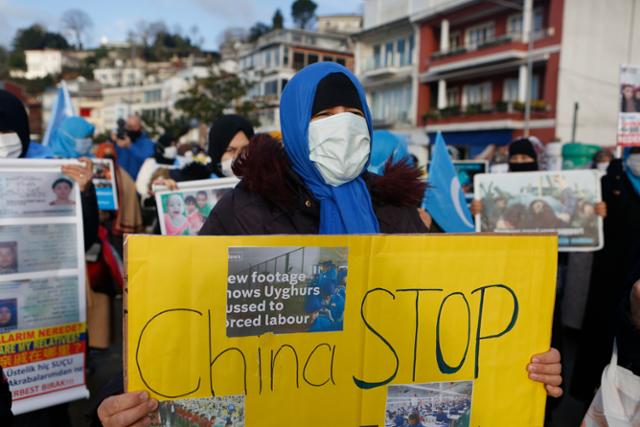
{"x":42,"y":284}
{"x":629,"y":104}
{"x":104,"y":180}
{"x":530,"y":202}
{"x":182,"y":212}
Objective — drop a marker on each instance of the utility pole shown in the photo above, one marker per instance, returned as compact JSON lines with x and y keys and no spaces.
{"x":574,"y":123}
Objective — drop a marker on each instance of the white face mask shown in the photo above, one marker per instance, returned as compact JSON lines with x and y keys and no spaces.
{"x":633,"y":162}
{"x":339,"y":146}
{"x":83,"y":145}
{"x":225,"y":167}
{"x":170,"y":152}
{"x":602,"y":166}
{"x":10,"y":145}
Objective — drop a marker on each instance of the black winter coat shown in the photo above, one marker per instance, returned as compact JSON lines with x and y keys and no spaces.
{"x":613,"y":270}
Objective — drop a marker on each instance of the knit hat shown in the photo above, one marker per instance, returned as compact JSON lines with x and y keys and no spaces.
{"x":336,"y":89}
{"x":523,"y":146}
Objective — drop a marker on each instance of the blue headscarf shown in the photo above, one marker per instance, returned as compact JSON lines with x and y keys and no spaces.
{"x":346,"y":209}
{"x":635,"y":180}
{"x":387,"y":145}
{"x":62,"y":141}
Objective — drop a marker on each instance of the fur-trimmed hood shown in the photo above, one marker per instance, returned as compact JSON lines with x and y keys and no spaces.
{"x":266,"y":170}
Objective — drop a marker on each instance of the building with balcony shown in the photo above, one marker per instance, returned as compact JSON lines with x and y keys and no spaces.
{"x":473,"y":68}
{"x":274,"y":58}
{"x":386,"y":58}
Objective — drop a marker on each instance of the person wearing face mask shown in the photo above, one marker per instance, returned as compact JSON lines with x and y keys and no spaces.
{"x":612,"y":268}
{"x":315,"y":183}
{"x":166,"y":154}
{"x":601,"y":160}
{"x":134,"y":148}
{"x":228,"y":136}
{"x":14,"y":131}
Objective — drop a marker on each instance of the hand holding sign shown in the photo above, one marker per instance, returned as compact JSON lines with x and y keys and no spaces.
{"x":127,"y":410}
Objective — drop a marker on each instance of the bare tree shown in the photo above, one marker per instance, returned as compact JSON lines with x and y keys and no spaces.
{"x":77,"y":23}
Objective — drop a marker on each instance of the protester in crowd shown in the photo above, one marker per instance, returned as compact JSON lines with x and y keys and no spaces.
{"x":6,"y":417}
{"x":316,"y":183}
{"x":602,"y":159}
{"x":228,"y":135}
{"x":612,"y":268}
{"x":166,"y":153}
{"x":134,"y":147}
{"x":14,"y":131}
{"x":128,"y":218}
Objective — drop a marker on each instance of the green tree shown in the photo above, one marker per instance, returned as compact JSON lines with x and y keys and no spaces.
{"x":4,"y":63}
{"x":209,"y":97}
{"x":277,"y":21}
{"x":303,"y":12}
{"x":37,"y":37}
{"x":165,"y":122}
{"x":258,"y":29}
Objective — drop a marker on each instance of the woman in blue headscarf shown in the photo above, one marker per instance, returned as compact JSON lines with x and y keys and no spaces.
{"x":317,"y":183}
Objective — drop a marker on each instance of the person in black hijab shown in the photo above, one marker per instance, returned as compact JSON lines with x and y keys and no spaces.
{"x":228,"y":135}
{"x":522,"y":156}
{"x":14,"y":127}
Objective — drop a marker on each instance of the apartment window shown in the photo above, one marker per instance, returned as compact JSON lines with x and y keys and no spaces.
{"x":455,"y":40}
{"x":376,"y":56}
{"x":327,"y":58}
{"x":388,"y":54}
{"x":285,"y":57}
{"x":298,"y":60}
{"x":271,"y":88}
{"x":479,"y":35}
{"x":514,"y":22}
{"x":535,"y":87}
{"x":411,"y":47}
{"x":510,"y":90}
{"x":152,"y":96}
{"x":276,"y":57}
{"x":477,"y":94}
{"x":312,"y":58}
{"x":392,"y":104}
{"x":341,"y":61}
{"x":400,"y":48}
{"x":453,"y":96}
{"x":283,"y":83}
{"x":268,"y":59}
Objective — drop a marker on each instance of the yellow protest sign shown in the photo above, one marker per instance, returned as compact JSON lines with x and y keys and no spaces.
{"x":340,"y":330}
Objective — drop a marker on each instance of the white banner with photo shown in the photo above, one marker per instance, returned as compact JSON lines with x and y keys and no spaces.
{"x":629,"y":106}
{"x":183,"y":212}
{"x":42,"y":284}
{"x":530,"y":202}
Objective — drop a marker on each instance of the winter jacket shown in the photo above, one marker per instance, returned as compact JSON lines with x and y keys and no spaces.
{"x":272,"y":199}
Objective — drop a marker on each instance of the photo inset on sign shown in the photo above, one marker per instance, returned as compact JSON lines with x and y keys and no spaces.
{"x":445,"y":404}
{"x":227,"y":411}
{"x":286,"y":290}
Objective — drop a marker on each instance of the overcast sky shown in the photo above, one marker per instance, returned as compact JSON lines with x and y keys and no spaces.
{"x":112,"y":18}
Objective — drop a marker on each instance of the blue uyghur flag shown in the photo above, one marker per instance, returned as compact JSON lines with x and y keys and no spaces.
{"x":61,"y":109}
{"x":444,"y":198}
